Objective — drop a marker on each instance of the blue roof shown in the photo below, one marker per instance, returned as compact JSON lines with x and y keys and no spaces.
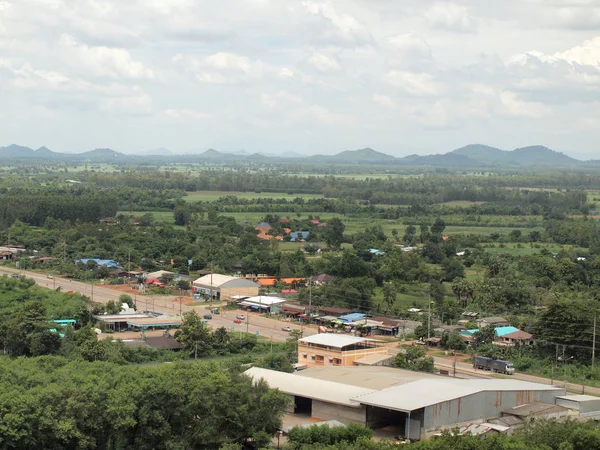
{"x":110,"y":263}
{"x":500,"y":331}
{"x":353,"y":317}
{"x":295,"y":235}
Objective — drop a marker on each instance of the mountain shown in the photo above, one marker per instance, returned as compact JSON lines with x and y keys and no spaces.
{"x":161,"y":151}
{"x":361,"y":156}
{"x":533,"y":156}
{"x":445,"y":160}
{"x":16,"y":151}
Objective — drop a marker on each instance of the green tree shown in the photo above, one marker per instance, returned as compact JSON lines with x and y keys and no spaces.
{"x":415,"y":358}
{"x":195,"y":336}
{"x":389,"y":295}
{"x":278,"y":362}
{"x":334,"y":233}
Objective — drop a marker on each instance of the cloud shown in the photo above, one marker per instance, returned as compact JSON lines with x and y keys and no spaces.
{"x":413,"y":83}
{"x":137,"y":103}
{"x":579,"y":18}
{"x":279,"y":99}
{"x":451,"y":17}
{"x":339,"y":28}
{"x":385,"y":101}
{"x":186,"y":114}
{"x":103,"y":61}
{"x":324,"y":63}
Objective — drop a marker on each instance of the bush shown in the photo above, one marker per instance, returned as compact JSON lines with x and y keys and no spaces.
{"x":324,"y":434}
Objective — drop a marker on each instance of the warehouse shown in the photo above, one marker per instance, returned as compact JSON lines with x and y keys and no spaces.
{"x":336,"y":349}
{"x":224,"y":287}
{"x":415,"y":405}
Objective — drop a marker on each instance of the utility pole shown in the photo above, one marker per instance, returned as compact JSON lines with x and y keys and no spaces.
{"x":309,"y":300}
{"x":429,"y":317}
{"x":594,"y":344}
{"x":129,"y":262}
{"x":564,"y":366}
{"x":454,"y":365}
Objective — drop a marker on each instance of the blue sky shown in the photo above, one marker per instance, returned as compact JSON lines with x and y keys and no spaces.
{"x":277,"y":76}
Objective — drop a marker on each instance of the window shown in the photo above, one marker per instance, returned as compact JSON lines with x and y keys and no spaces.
{"x":337,"y":362}
{"x":304,"y":355}
{"x":320,"y":360}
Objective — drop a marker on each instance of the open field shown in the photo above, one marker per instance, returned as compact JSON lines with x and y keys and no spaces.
{"x":526,"y":249}
{"x":208,"y":196}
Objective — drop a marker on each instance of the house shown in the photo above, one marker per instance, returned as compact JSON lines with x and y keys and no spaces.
{"x":268,"y":237}
{"x":394,"y":327}
{"x":292,"y":310}
{"x":296,"y":236}
{"x":109,"y":263}
{"x":315,"y":222}
{"x":7,"y":256}
{"x":320,"y":280}
{"x":263,"y":227}
{"x":327,"y":349}
{"x":159,"y":274}
{"x":287,"y":230}
{"x":322,"y":225}
{"x":493,"y":321}
{"x":285,"y":220}
{"x":376,"y":252}
{"x":409,"y":249}
{"x":109,"y":221}
{"x":44,"y":259}
{"x":285,"y":292}
{"x":224,"y":287}
{"x":515,"y":338}
{"x":263,"y":303}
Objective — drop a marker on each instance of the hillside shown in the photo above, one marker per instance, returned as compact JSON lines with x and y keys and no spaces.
{"x":533,"y":156}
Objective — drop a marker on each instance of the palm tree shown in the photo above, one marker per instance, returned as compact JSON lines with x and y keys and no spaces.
{"x":222,"y":336}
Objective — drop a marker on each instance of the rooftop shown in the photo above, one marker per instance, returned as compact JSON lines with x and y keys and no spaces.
{"x":579,"y":398}
{"x":293,"y":384}
{"x":532,"y":409}
{"x":428,"y":392}
{"x":217,"y":280}
{"x":263,"y":300}
{"x":368,"y":377}
{"x":333,"y":340}
{"x":155,"y":322}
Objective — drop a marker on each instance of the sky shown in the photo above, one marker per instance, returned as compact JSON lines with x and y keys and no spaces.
{"x":281,"y":76}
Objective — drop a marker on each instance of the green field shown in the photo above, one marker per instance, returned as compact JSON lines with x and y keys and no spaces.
{"x":527,"y":249}
{"x":209,"y":196}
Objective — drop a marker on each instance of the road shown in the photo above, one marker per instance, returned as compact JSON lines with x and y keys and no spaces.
{"x":467,"y":369}
{"x":169,"y":305}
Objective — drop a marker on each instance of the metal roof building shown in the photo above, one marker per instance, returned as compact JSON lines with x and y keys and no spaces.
{"x":225,"y":287}
{"x":418,"y":405}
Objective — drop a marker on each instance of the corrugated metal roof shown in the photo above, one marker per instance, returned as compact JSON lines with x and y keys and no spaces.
{"x":264,"y":300}
{"x":333,"y":340}
{"x":217,"y":280}
{"x":377,"y":377}
{"x":327,"y":391}
{"x":579,"y":398}
{"x":423,"y":393}
{"x":533,"y":409}
{"x":373,"y":359}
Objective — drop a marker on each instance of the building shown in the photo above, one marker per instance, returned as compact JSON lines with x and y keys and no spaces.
{"x":336,"y":349}
{"x":515,"y":338}
{"x":414,"y":405}
{"x":224,"y":287}
{"x":320,"y":280}
{"x":493,"y":321}
{"x":263,"y":303}
{"x":296,"y":236}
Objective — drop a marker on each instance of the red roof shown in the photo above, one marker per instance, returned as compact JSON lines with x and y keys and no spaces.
{"x":285,"y":220}
{"x":287,"y":230}
{"x":315,"y":222}
{"x":288,"y":291}
{"x":518,"y":335}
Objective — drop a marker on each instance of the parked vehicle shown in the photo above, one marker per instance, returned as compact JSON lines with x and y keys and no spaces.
{"x":216,"y":311}
{"x":237,"y":321}
{"x":494,"y":365}
{"x":207,"y":316}
{"x":50,"y":276}
{"x":15,"y":275}
{"x":240,"y":317}
{"x":288,"y":329}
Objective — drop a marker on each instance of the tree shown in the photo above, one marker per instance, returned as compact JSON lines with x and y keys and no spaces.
{"x":485,"y":335}
{"x":221,"y":336}
{"x":438,"y":226}
{"x":452,"y":341}
{"x":334,"y":233}
{"x":452,"y":268}
{"x":389,"y":295}
{"x":278,"y":362}
{"x":415,"y":358}
{"x":113,"y":307}
{"x":124,"y":298}
{"x":195,"y":336}
{"x":410,"y":235}
{"x":463,"y":290}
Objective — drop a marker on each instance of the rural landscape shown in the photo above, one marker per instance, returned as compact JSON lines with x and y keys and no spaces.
{"x":436,"y":266}
{"x":309,"y":225}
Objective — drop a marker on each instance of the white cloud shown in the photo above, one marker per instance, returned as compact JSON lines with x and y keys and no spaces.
{"x":279,"y":99}
{"x":342,"y":28}
{"x":186,"y":114}
{"x":138,"y":103}
{"x":324,"y":63}
{"x":385,"y":101}
{"x":451,"y":17}
{"x":518,"y":108}
{"x":103,"y":61}
{"x":413,"y":83}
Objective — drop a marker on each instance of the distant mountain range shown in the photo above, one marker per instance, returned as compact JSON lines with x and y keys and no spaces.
{"x":474,"y":156}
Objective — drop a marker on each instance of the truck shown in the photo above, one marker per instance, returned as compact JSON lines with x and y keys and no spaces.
{"x":494,"y":365}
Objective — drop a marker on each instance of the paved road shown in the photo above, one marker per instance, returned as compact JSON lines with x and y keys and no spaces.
{"x":467,"y":368}
{"x":169,"y":305}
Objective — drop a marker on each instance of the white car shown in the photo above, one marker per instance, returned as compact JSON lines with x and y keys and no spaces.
{"x":240,"y":317}
{"x":50,"y":276}
{"x":288,"y":329}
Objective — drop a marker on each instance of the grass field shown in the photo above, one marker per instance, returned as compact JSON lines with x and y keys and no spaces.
{"x":208,"y":196}
{"x":526,"y":249}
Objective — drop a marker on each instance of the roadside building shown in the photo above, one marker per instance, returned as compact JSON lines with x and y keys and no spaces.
{"x":263,"y":303}
{"x":320,"y":280}
{"x":516,"y":338}
{"x":328,"y":349}
{"x":225,"y":287}
{"x":415,"y":405}
{"x":493,"y":321}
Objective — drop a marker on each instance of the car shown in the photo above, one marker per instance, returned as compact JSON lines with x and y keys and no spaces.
{"x":50,"y":276}
{"x":207,"y":316}
{"x":240,"y":317}
{"x":237,"y":321}
{"x":15,"y":275}
{"x":288,"y":329}
{"x":216,"y":311}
